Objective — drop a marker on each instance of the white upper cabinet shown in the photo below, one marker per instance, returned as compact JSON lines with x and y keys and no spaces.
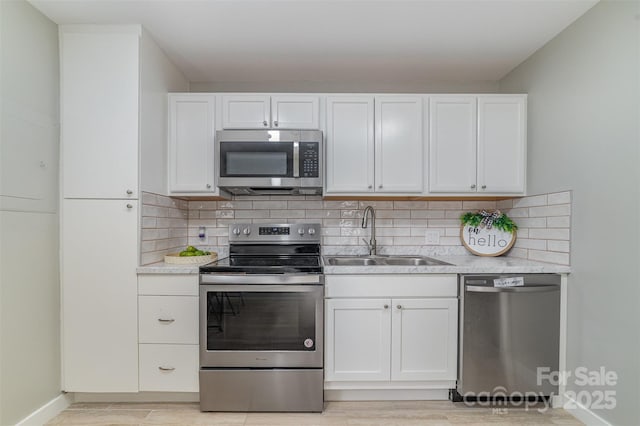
{"x":377,"y":151}
{"x":246,"y":112}
{"x":99,"y":93}
{"x":270,"y":112}
{"x":350,"y":144}
{"x":399,"y":144}
{"x":452,"y":143}
{"x":477,"y":144}
{"x":295,"y":112}
{"x":191,"y":144}
{"x":502,"y":136}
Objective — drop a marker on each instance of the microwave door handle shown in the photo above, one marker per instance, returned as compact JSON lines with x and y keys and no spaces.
{"x":296,"y":159}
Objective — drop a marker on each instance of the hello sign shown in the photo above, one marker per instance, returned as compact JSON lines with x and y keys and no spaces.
{"x":483,"y":241}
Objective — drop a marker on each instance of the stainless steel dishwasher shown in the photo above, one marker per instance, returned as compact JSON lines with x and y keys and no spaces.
{"x":506,"y":334}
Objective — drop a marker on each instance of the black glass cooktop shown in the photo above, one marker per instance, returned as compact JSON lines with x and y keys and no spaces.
{"x":265,"y":265}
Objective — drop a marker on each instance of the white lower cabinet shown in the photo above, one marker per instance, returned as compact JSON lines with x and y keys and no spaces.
{"x":99,"y":312}
{"x":169,"y":368}
{"x":358,"y":335}
{"x":168,"y":332}
{"x":391,"y":332}
{"x":424,"y":344}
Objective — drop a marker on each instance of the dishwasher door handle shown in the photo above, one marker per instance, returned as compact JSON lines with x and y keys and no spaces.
{"x":519,"y":289}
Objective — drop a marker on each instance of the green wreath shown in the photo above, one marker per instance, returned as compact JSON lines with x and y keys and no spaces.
{"x":486,"y":219}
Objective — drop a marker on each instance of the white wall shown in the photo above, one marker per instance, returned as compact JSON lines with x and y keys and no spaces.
{"x":392,"y":86}
{"x":29,"y":284}
{"x":584,"y":135}
{"x":158,"y":75}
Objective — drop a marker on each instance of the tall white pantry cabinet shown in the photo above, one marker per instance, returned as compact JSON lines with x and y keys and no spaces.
{"x":99,"y":94}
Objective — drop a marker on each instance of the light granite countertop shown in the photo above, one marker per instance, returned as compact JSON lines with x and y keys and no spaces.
{"x":167,"y":268}
{"x":459,"y":265}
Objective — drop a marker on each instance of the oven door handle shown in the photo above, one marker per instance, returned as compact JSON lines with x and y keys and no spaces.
{"x":260,"y":279}
{"x":244,"y":288}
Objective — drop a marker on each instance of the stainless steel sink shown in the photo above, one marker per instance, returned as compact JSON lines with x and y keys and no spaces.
{"x":351,"y":261}
{"x":383,"y":260}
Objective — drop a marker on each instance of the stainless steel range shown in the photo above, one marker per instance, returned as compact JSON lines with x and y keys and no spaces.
{"x":261,"y":321}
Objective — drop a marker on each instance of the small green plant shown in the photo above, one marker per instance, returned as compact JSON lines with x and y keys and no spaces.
{"x":487,"y":219}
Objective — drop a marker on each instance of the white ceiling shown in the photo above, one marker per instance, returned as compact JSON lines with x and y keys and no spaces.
{"x":335,"y":40}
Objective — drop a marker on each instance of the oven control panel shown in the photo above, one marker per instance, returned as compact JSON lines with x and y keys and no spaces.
{"x":274,"y":230}
{"x":262,"y":233}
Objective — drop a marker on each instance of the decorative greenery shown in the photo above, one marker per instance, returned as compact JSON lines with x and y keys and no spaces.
{"x":483,"y":218}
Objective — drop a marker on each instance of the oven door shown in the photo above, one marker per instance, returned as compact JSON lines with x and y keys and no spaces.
{"x":263,"y":324}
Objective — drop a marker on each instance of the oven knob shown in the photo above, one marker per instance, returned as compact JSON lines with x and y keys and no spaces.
{"x":311,"y":231}
{"x":301,"y":231}
{"x":236,"y":231}
{"x":246,"y":231}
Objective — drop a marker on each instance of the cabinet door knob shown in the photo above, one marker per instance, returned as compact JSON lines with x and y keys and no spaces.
{"x":380,"y":186}
{"x":129,"y":192}
{"x":264,"y":123}
{"x":370,"y":186}
{"x":208,"y":186}
{"x":275,"y":123}
{"x":399,"y":306}
{"x":129,"y":206}
{"x":473,"y":186}
{"x":484,"y":187}
{"x":386,"y":306}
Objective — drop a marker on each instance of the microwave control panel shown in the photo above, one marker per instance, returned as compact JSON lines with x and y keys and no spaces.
{"x":309,"y":159}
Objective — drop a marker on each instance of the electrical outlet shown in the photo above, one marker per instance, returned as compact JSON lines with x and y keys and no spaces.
{"x":432,"y":237}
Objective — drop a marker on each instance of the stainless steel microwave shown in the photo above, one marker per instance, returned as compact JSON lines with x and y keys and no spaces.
{"x":267,"y":162}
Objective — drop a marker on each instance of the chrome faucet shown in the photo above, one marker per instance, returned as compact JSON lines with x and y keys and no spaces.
{"x":373,"y":248}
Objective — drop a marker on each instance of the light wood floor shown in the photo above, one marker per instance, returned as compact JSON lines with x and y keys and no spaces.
{"x":335,"y":413}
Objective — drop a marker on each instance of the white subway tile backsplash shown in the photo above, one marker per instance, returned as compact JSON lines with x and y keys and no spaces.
{"x":549,"y":256}
{"x":445,"y":205}
{"x":534,"y":222}
{"x":559,"y":222}
{"x":531,"y":244}
{"x":559,"y":198}
{"x":427,"y":214}
{"x":555,"y":245}
{"x":536,"y":200}
{"x":557,"y":210}
{"x":400,"y":205}
{"x":478,"y":205}
{"x":443,"y":223}
{"x":304,"y":205}
{"x":549,"y":234}
{"x":519,"y":212}
{"x":171,"y":223}
{"x":504,"y":204}
{"x":149,"y":222}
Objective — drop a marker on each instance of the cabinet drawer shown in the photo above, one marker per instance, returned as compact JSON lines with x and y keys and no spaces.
{"x":169,"y":368}
{"x":391,"y":285}
{"x":168,"y":285}
{"x":168,"y":319}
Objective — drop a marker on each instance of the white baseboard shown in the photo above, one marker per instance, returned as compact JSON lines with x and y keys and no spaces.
{"x":137,"y":396}
{"x":47,"y":412}
{"x":582,"y":413}
{"x":386,"y":395}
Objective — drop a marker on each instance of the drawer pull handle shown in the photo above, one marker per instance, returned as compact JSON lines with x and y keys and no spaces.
{"x":166,"y":321}
{"x":166,"y":368}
